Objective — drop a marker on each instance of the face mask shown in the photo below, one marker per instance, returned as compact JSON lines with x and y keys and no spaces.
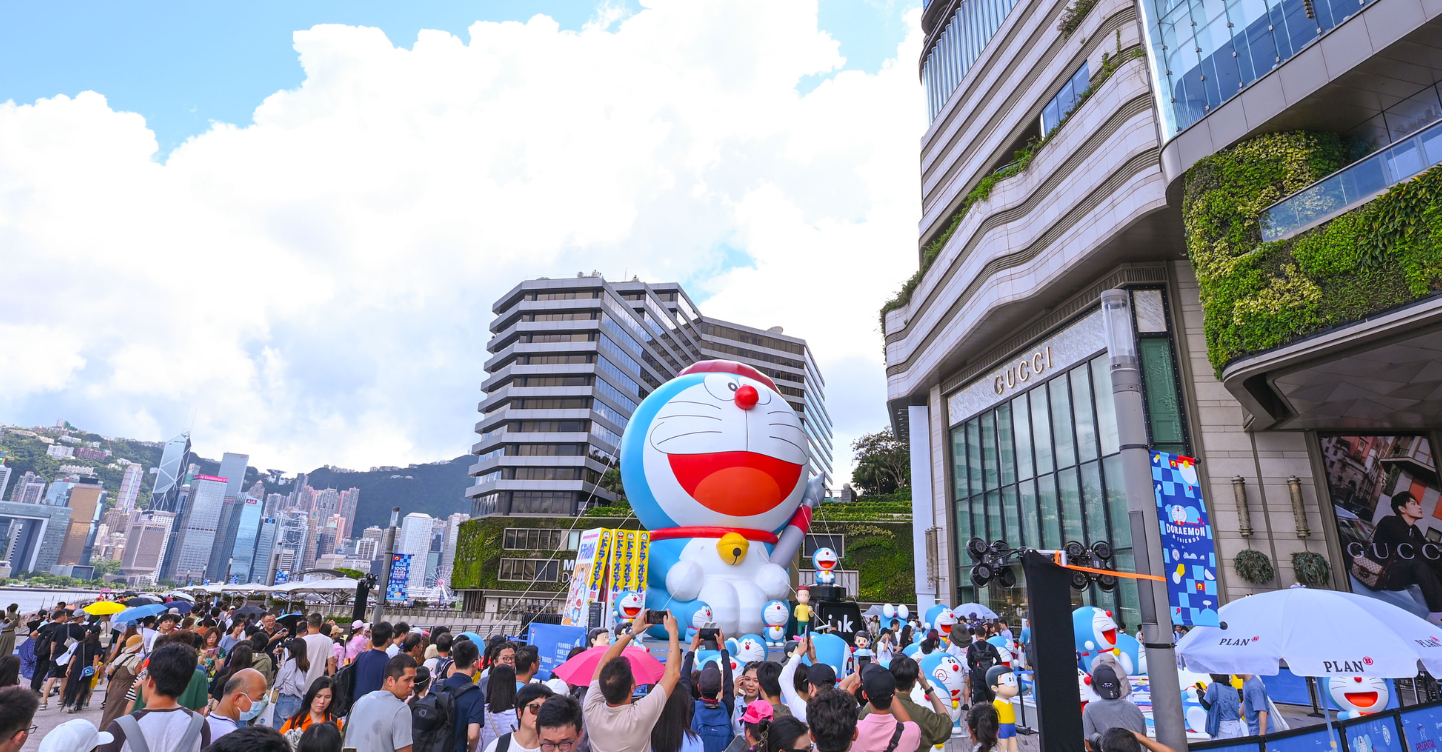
{"x":256,"y":708}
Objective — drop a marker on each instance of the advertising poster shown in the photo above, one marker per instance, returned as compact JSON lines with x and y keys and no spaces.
{"x":1384,"y":495}
{"x":400,"y":575}
{"x":1191,"y":554}
{"x":620,"y":572}
{"x":282,"y":576}
{"x":586,"y":561}
{"x":553,"y":643}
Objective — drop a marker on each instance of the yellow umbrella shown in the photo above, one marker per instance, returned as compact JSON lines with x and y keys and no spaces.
{"x":103,"y":608}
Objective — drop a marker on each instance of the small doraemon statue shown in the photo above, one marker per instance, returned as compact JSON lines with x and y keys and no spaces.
{"x":776,"y":614}
{"x":629,"y":606}
{"x":1358,"y":695}
{"x":701,"y":618}
{"x":714,"y":463}
{"x":1095,"y":632}
{"x":825,"y":561}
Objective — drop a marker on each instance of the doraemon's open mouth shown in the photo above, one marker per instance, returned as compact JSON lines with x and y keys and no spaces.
{"x":1110,"y":635}
{"x":1361,"y":699}
{"x":739,"y":484}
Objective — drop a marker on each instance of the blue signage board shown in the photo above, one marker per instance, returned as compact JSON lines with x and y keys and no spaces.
{"x":553,"y":643}
{"x":1190,"y":553}
{"x":1423,"y":728}
{"x":282,"y":576}
{"x":400,"y":577}
{"x":1374,"y":735}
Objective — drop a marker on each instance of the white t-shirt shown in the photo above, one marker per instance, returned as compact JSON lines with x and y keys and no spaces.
{"x":318,"y":650}
{"x":393,"y":650}
{"x":515,"y":747}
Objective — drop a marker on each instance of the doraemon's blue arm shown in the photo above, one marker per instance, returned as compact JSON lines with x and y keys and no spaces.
{"x":795,"y":532}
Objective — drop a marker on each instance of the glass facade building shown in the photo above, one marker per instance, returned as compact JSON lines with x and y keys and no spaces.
{"x":572,"y":360}
{"x":956,"y":49}
{"x":1204,"y":52}
{"x":1041,"y":464}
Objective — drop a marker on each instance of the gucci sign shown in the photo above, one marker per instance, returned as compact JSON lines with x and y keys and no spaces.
{"x":1019,"y":372}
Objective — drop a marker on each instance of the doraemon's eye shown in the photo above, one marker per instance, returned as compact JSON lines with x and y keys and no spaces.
{"x":731,"y":385}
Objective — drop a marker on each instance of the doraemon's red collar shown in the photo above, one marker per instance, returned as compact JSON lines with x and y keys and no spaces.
{"x":760,"y":536}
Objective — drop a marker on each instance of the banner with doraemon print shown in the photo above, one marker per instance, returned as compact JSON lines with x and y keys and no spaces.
{"x":1190,"y":552}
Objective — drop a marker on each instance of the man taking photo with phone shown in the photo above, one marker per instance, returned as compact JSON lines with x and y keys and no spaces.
{"x":614,"y":722}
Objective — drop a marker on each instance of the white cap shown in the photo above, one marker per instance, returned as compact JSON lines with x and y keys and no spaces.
{"x":357,"y":624}
{"x":78,"y":734}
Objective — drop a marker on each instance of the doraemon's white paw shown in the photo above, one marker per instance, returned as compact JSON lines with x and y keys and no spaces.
{"x":684,"y":580}
{"x":772,"y":580}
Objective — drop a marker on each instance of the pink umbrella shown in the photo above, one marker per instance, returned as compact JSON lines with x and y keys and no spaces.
{"x":580,"y":669}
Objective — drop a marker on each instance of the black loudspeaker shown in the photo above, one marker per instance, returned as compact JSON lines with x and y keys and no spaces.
{"x":362,"y":592}
{"x":1058,"y":699}
{"x":823,"y":593}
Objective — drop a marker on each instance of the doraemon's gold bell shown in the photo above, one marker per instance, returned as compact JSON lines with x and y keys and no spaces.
{"x":732,"y":547}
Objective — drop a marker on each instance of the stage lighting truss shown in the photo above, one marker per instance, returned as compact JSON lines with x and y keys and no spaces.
{"x":1089,"y":565}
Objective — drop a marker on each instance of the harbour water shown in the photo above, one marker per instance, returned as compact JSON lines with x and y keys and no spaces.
{"x":31,"y":599}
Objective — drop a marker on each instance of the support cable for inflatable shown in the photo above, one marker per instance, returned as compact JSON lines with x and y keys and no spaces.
{"x":582,"y":513}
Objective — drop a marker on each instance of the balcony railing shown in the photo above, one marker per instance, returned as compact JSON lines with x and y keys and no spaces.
{"x":1353,"y":185}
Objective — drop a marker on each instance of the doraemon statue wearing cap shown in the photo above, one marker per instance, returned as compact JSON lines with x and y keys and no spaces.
{"x":714,"y":465}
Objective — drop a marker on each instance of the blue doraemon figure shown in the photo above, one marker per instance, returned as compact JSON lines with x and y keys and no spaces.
{"x":714,"y":465}
{"x":1095,"y":633}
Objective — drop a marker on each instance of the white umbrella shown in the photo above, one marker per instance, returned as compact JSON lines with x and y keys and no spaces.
{"x":967,"y":610}
{"x":1318,"y":633}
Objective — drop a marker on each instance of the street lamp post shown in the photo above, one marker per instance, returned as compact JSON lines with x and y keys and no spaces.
{"x":1166,"y":690}
{"x":388,"y":544}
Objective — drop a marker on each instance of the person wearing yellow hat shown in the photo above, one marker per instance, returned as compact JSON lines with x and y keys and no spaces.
{"x":122,"y":671}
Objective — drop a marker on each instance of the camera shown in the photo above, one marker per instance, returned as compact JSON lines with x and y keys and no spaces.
{"x":708,"y":638}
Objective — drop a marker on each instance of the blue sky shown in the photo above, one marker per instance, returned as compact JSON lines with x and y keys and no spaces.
{"x":314,"y":285}
{"x":183,"y":65}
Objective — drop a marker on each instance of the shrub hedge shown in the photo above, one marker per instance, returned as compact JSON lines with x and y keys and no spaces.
{"x":1257,"y":295}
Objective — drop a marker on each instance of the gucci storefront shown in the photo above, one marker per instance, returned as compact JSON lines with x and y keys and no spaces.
{"x":1033,"y":452}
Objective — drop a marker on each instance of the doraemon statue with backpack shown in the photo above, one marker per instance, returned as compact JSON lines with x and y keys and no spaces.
{"x":714,"y":465}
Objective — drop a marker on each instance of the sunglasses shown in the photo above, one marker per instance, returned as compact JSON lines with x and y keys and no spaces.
{"x":534,"y":708}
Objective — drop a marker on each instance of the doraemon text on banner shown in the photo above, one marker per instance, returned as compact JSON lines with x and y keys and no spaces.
{"x":1189,"y":552}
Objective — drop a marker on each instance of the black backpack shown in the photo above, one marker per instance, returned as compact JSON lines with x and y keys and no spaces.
{"x":433,"y":723}
{"x":42,"y":643}
{"x":342,"y":687}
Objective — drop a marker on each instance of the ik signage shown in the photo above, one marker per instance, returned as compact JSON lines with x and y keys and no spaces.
{"x":1019,"y":372}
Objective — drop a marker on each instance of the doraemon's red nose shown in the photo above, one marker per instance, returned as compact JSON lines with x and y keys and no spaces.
{"x":747,"y":397}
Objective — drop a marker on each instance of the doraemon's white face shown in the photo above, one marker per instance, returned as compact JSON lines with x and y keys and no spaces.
{"x":949,"y":673}
{"x":945,"y":621}
{"x":702,"y":617}
{"x":728,"y":452}
{"x":1104,"y":630}
{"x":775,"y":613}
{"x":1364,"y":694}
{"x":750,"y":649}
{"x":825,"y":559}
{"x":630,"y":605}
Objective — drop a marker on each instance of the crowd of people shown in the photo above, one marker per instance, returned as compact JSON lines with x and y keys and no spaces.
{"x":228,"y":679}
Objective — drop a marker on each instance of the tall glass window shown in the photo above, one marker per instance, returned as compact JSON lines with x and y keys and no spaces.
{"x":1203,"y":52}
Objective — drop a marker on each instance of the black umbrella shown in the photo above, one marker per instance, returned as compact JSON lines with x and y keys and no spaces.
{"x":249,"y":611}
{"x":142,"y":600}
{"x":289,"y":620}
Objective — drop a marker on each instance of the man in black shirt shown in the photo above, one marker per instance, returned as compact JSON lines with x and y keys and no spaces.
{"x":58,"y":633}
{"x":1398,"y":539}
{"x":980,"y":656}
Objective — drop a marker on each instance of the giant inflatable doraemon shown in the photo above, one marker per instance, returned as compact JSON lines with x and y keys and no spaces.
{"x":1095,"y":632}
{"x":714,"y":464}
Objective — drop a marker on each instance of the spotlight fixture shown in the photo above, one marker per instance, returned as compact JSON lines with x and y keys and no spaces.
{"x":1102,"y":551}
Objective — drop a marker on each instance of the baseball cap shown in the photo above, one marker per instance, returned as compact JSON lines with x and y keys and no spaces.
{"x":878,"y":683}
{"x":1106,"y":684}
{"x":710,"y":681}
{"x":821,"y":674}
{"x":72,"y":735}
{"x":357,"y":624}
{"x":757,"y":711}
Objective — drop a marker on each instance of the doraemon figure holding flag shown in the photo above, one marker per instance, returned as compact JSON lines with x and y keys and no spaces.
{"x":714,"y":466}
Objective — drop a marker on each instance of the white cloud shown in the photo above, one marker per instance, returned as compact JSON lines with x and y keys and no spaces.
{"x":316,"y":287}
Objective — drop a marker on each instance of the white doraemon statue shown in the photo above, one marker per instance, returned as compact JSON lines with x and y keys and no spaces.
{"x":714,"y":465}
{"x":1358,"y":695}
{"x":629,"y":606}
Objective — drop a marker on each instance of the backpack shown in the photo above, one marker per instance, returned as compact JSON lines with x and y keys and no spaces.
{"x":713,"y":724}
{"x":433,"y":723}
{"x":342,"y":687}
{"x":42,"y":644}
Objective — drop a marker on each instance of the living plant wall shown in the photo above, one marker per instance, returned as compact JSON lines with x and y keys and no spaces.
{"x":1259,"y":295}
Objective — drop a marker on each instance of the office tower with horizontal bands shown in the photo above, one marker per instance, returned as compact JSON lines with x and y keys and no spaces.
{"x":86,"y":502}
{"x":145,"y":543}
{"x":232,"y":468}
{"x":571,"y":359}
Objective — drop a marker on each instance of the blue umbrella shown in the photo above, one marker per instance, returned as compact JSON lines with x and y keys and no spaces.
{"x":139,"y":612}
{"x":479,"y":640}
